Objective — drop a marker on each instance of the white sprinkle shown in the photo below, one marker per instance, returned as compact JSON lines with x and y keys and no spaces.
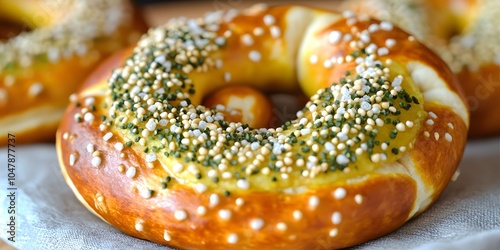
{"x":214,"y":200}
{"x":297,"y":215}
{"x":200,"y":187}
{"x":281,"y":226}
{"x":275,"y":31}
{"x":35,"y":89}
{"x":178,"y":167}
{"x":227,"y":77}
{"x":119,"y":146}
{"x":257,"y":224}
{"x":90,"y":148}
{"x":329,"y":146}
{"x":166,"y":236}
{"x":400,"y":127}
{"x":373,"y":28}
{"x":96,"y":161}
{"x":431,"y":114}
{"x":336,"y":218}
{"x":339,"y":193}
{"x":88,"y":117}
{"x":107,"y":136}
{"x":390,"y":43}
{"x":180,"y":215}
{"x":151,"y":125}
{"x":131,"y":171}
{"x":145,"y":193}
{"x":243,"y":184}
{"x":342,"y":136}
{"x":239,"y":202}
{"x":9,"y":80}
{"x":384,"y":25}
{"x":89,"y":101}
{"x":225,"y":214}
{"x":72,"y":159}
{"x":247,"y":40}
{"x":258,"y":31}
{"x":383,"y":51}
{"x":342,"y":159}
{"x":201,"y":210}
{"x":218,"y":63}
{"x":269,"y":20}
{"x":232,"y":238}
{"x":335,"y":37}
{"x":448,"y":137}
{"x":254,"y":56}
{"x":313,"y":202}
{"x":333,"y":232}
{"x":430,"y":122}
{"x":151,"y":157}
{"x":358,"y":198}
{"x":313,"y":59}
{"x":313,"y":107}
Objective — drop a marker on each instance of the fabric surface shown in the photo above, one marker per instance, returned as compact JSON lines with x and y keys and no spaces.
{"x":467,"y":216}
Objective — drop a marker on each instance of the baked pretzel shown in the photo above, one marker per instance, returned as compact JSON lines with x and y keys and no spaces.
{"x":47,"y":48}
{"x":464,"y":33}
{"x":377,"y":142}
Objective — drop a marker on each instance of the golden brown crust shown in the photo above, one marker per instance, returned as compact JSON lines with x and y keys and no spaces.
{"x":49,"y":85}
{"x":112,"y":180}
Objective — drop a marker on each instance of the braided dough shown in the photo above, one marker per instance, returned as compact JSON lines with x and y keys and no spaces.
{"x":62,"y":42}
{"x":376,"y":144}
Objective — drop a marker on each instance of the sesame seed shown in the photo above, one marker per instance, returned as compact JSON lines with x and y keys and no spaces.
{"x":201,"y":210}
{"x":400,"y":127}
{"x":243,"y":184}
{"x":178,"y":167}
{"x":227,"y":78}
{"x":455,"y":175}
{"x":269,"y":20}
{"x":35,"y":89}
{"x":139,"y":226}
{"x":390,"y":42}
{"x":180,"y":215}
{"x":258,"y":31}
{"x":436,"y":136}
{"x":313,"y":59}
{"x":225,"y":214}
{"x":256,"y":224}
{"x":239,"y":202}
{"x":96,"y":161}
{"x":451,"y":126}
{"x":247,"y":40}
{"x":214,"y":200}
{"x":358,"y":198}
{"x":313,"y":202}
{"x":335,"y":37}
{"x":151,"y":157}
{"x":430,"y":122}
{"x":166,"y":236}
{"x":200,"y":187}
{"x":131,"y":171}
{"x":334,"y":232}
{"x":275,"y":31}
{"x":342,"y":159}
{"x":119,"y":146}
{"x":336,"y":218}
{"x":427,"y":134}
{"x":281,"y":226}
{"x":232,"y":238}
{"x":145,"y":193}
{"x":254,"y":56}
{"x":382,"y":51}
{"x":297,"y":215}
{"x":384,"y":25}
{"x":433,"y":115}
{"x":448,"y":137}
{"x":72,"y":158}
{"x":88,"y":117}
{"x":339,"y":193}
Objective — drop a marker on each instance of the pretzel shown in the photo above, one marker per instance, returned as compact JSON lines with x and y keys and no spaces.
{"x":47,"y":48}
{"x":464,"y":34}
{"x":378,"y":141}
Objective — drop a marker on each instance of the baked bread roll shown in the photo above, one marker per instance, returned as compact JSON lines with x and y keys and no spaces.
{"x":464,"y":33}
{"x":47,"y":48}
{"x":378,"y":141}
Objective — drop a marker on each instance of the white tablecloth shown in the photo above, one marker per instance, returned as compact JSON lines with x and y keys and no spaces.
{"x":467,"y":216}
